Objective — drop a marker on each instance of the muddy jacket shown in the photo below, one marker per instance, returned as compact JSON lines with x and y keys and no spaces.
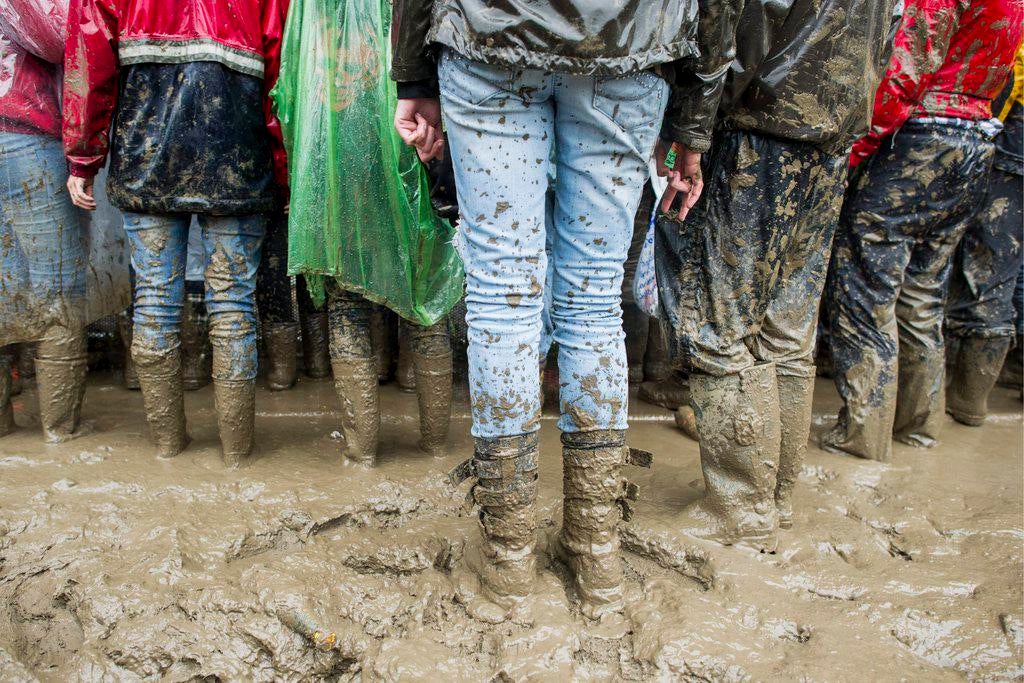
{"x":807,"y":70}
{"x":950,"y":59}
{"x":185,"y":84}
{"x":31,"y":50}
{"x":581,"y":37}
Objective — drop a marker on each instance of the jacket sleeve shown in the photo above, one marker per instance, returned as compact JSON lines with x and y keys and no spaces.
{"x":90,"y":84}
{"x":37,"y":26}
{"x":918,"y":52}
{"x":411,"y":56}
{"x":698,"y":83}
{"x":275,"y":12}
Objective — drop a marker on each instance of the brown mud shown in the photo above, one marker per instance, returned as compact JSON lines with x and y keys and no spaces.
{"x":118,"y":566}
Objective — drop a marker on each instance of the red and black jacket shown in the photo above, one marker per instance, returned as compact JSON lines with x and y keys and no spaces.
{"x":176,"y":91}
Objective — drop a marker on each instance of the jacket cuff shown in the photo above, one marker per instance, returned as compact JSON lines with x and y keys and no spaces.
{"x":692,"y":140}
{"x":81,"y":170}
{"x":425,"y":88}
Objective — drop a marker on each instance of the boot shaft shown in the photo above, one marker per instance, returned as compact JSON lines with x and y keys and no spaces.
{"x":973,"y":375}
{"x":160,"y":379}
{"x":355,"y":380}
{"x":281,"y":342}
{"x":235,"y":401}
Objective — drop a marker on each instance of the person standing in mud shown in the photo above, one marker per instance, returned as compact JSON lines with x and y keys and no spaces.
{"x":192,"y":134}
{"x":565,"y":84}
{"x":980,"y":317}
{"x":741,"y":277}
{"x":42,"y":228}
{"x":918,"y":178}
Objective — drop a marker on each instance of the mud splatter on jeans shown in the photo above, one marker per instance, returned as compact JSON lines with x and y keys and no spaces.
{"x":906,"y":210}
{"x":503,"y":125}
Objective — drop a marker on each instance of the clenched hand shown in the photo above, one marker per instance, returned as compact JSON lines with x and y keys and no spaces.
{"x":684,"y":176}
{"x":418,"y":121}
{"x":81,"y":192}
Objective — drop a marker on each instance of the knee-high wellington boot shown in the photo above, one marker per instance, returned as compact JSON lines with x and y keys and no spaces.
{"x":974,"y":373}
{"x":61,"y":367}
{"x":160,"y":379}
{"x":432,"y":362}
{"x":355,"y":374}
{"x":795,"y":395}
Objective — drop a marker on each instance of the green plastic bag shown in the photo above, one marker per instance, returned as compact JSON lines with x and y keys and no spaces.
{"x":360,"y":204}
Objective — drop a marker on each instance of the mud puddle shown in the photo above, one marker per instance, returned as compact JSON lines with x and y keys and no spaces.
{"x":116,"y":566}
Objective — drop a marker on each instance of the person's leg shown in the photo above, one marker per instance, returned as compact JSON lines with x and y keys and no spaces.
{"x":958,"y":165}
{"x":788,"y":333}
{"x":355,"y":372}
{"x":431,"y":352}
{"x":500,"y":131}
{"x":870,"y":253}
{"x":274,"y":302}
{"x":1013,"y":369}
{"x":232,"y":246}
{"x":6,"y":409}
{"x":981,"y":311}
{"x":158,"y":245}
{"x":316,"y":360}
{"x":605,"y":131}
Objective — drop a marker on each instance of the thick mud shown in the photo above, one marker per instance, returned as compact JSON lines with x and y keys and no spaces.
{"x":117,"y":566}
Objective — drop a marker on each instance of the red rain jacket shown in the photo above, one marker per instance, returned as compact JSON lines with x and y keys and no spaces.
{"x":104,"y":35}
{"x":31,"y":50}
{"x":950,"y":59}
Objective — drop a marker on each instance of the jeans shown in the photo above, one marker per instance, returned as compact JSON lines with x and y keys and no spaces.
{"x":502,"y":124}
{"x":232,"y":249}
{"x":42,"y":239}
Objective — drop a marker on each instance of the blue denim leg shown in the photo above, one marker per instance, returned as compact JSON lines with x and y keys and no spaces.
{"x":232,"y":245}
{"x":502,"y":124}
{"x":159,"y":248}
{"x":48,"y":234}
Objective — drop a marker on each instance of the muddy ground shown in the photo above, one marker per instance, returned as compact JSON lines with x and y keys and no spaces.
{"x":115,"y":566}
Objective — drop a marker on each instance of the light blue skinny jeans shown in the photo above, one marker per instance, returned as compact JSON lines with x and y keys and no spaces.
{"x":232,"y":252}
{"x":503,"y":125}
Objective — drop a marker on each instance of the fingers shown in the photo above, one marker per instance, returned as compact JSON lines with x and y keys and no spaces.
{"x":81,"y":193}
{"x":435,"y":151}
{"x":668,"y":198}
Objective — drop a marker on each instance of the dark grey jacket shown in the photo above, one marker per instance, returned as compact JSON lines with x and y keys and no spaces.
{"x":602,"y":37}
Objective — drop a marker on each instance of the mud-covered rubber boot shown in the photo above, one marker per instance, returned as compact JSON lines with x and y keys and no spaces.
{"x":384,"y":333}
{"x":6,"y":386}
{"x":670,"y":393}
{"x":235,"y":400}
{"x":920,"y":398}
{"x":978,"y":363}
{"x":196,"y":350}
{"x":594,"y":499}
{"x":61,"y":368}
{"x":656,"y":362}
{"x":160,"y":379}
{"x":795,"y":397}
{"x":503,"y":566}
{"x":316,"y":360}
{"x":129,"y":378}
{"x":738,"y":420}
{"x":1012,"y":375}
{"x":636,"y":326}
{"x":432,"y":361}
{"x":355,"y":380}
{"x":281,"y":341}
{"x":405,"y":373}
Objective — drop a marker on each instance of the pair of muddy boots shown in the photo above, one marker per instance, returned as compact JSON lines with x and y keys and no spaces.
{"x":751,"y":454}
{"x":61,"y":366}
{"x":975,"y":368}
{"x":503,"y":565}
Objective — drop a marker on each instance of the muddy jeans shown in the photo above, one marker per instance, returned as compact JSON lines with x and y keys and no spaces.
{"x":987,"y":264}
{"x":740,"y":279}
{"x":42,"y":236}
{"x":502,"y":124}
{"x":232,"y":245}
{"x":906,"y":210}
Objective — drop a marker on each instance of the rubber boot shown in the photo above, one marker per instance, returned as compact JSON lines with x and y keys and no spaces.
{"x":1012,"y":375}
{"x":656,"y":363}
{"x":12,"y":357}
{"x":503,"y":566}
{"x":160,"y":379}
{"x":129,"y":378}
{"x":61,"y":368}
{"x":636,"y":326}
{"x":670,"y":393}
{"x":384,"y":333}
{"x":795,"y":397}
{"x":6,"y":384}
{"x":920,"y":399}
{"x":196,"y":351}
{"x":738,"y":420}
{"x":281,"y":343}
{"x":27,"y":360}
{"x":405,"y":374}
{"x":594,"y":493}
{"x":355,"y":380}
{"x":235,"y":400}
{"x":316,"y":360}
{"x":432,"y":362}
{"x":978,"y":363}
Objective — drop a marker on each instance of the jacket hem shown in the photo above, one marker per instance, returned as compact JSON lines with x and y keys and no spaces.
{"x":164,"y":205}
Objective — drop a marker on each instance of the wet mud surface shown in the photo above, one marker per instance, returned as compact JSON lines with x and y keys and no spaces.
{"x":117,"y":566}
